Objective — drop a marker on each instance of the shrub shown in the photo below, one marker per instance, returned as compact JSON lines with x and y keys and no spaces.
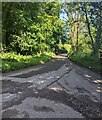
{"x":12,"y":61}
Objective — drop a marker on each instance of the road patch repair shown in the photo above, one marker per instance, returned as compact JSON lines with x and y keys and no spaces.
{"x":56,"y":89}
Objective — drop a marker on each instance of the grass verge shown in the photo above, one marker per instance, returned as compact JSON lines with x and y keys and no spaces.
{"x":92,"y":62}
{"x":12,"y":61}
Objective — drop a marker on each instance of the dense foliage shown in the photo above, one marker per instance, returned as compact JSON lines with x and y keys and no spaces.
{"x":12,"y":61}
{"x":84,"y":24}
{"x":33,"y":28}
{"x":30,"y":28}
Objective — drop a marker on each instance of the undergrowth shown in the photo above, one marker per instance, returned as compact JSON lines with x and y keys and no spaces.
{"x":90,"y":61}
{"x":13,"y":61}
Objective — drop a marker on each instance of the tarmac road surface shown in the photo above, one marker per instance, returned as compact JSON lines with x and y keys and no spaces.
{"x":56,"y":89}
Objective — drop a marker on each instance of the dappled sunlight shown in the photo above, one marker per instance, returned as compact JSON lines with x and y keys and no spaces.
{"x":50,"y":77}
{"x":86,"y":75}
{"x":56,"y":89}
{"x":99,"y":87}
{"x":8,"y":97}
{"x":90,"y":78}
{"x":60,"y":57}
{"x":41,"y":61}
{"x":51,"y":60}
{"x":41,"y":82}
{"x":100,"y":91}
{"x":97,"y":81}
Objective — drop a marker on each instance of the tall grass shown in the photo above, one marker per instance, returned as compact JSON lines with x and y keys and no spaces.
{"x":89,"y":61}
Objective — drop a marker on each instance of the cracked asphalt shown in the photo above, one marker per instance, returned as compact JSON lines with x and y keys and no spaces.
{"x":56,"y":89}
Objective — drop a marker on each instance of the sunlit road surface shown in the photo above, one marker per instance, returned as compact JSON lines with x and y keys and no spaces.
{"x":56,"y":89}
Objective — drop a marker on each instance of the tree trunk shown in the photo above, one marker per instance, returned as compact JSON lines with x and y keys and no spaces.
{"x":5,"y":22}
{"x":77,"y":32}
{"x":89,"y":30}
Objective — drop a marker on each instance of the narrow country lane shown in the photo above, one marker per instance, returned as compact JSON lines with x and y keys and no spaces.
{"x":56,"y":89}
